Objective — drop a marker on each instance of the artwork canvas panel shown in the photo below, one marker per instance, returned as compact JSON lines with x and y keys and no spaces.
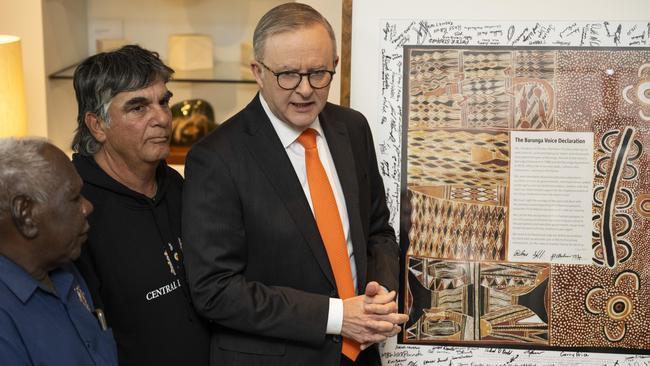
{"x":461,"y":105}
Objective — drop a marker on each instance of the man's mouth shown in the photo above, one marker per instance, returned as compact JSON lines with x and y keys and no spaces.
{"x":86,"y":229}
{"x":159,"y":140}
{"x":302,"y":105}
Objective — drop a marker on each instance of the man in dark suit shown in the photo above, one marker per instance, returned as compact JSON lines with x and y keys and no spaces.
{"x":288,"y":248}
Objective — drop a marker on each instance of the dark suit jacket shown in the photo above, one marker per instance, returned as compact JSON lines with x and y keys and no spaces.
{"x":255,"y":260}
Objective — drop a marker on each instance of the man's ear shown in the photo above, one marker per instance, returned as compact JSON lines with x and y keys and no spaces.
{"x":22,"y":213}
{"x":257,"y":73}
{"x":336,"y":62}
{"x":96,"y":126}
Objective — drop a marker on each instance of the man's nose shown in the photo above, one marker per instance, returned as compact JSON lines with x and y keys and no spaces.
{"x":86,"y":206}
{"x":304,"y":88}
{"x":162,"y":115}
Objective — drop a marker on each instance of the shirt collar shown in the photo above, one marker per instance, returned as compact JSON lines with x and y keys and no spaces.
{"x":23,"y":285}
{"x":16,"y":279}
{"x":286,"y":132}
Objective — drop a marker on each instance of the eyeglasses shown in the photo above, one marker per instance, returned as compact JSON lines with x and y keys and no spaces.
{"x":289,"y":80}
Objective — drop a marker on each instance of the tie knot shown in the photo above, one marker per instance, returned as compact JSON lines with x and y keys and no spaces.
{"x":308,"y":138}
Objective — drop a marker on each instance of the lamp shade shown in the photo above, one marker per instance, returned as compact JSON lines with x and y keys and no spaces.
{"x":13,"y":113}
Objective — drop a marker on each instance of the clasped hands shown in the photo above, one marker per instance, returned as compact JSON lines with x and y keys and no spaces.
{"x":372,"y":317}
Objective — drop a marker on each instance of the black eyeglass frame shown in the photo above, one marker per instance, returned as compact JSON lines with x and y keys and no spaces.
{"x":301,"y":74}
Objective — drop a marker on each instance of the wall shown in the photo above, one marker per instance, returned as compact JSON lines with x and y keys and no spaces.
{"x":65,"y":43}
{"x":365,"y":96}
{"x":228,"y":22}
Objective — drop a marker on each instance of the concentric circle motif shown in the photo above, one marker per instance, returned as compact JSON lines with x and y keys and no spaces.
{"x":643,"y":92}
{"x":619,"y":307}
{"x":614,"y":306}
{"x":643,"y":205}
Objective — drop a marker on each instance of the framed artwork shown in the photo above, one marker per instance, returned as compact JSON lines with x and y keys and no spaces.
{"x":513,"y":154}
{"x":462,"y":283}
{"x":525,"y":209}
{"x":478,"y":126}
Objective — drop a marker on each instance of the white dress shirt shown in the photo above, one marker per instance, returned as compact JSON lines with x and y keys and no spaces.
{"x":288,"y":136}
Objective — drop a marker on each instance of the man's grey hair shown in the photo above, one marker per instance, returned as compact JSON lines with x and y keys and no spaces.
{"x":287,"y":18}
{"x":24,"y":171}
{"x":101,"y":77}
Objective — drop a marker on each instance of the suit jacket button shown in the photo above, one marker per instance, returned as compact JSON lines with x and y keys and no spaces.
{"x":336,"y":338}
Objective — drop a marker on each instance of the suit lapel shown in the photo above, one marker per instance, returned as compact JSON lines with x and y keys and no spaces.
{"x":266,"y":147}
{"x":338,"y":141}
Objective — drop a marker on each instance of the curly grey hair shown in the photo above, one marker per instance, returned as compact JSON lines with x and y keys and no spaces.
{"x":24,"y":170}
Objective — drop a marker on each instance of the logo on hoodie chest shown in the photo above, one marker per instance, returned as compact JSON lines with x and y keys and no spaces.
{"x":163,"y":290}
{"x":173,"y":258}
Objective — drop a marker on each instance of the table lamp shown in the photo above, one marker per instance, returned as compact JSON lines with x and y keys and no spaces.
{"x":13,"y":113}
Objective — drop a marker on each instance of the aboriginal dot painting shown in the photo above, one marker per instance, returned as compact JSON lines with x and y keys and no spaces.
{"x":460,"y":105}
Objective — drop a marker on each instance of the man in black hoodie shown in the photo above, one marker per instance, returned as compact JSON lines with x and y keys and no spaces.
{"x":133,"y":262}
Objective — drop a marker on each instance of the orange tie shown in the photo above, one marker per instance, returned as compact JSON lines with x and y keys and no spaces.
{"x":329,"y":226}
